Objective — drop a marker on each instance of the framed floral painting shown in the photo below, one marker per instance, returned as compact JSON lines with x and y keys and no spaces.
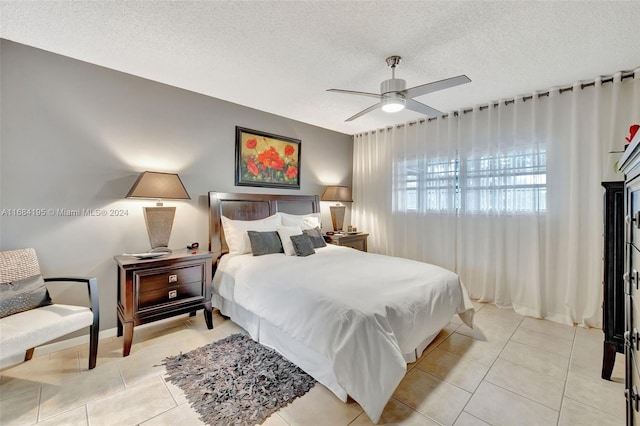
{"x":267,"y":160}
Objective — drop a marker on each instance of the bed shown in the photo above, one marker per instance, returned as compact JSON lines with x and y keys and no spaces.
{"x":350,"y":319}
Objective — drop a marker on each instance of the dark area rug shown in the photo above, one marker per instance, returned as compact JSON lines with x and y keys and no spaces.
{"x":237,"y":381}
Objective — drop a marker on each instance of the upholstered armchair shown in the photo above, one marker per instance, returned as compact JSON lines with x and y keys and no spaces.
{"x":28,"y":316}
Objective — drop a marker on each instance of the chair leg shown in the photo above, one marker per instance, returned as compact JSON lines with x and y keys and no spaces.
{"x":93,"y":346}
{"x":29,"y":354}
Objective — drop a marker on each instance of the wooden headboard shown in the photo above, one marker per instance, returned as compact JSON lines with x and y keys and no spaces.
{"x":238,"y":206}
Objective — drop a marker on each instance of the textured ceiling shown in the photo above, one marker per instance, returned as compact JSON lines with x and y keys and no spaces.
{"x":280,"y":57}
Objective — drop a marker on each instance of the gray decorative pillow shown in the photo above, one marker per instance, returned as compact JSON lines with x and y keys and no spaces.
{"x":302,"y":245}
{"x":23,"y":295}
{"x":315,"y":234}
{"x":265,"y":242}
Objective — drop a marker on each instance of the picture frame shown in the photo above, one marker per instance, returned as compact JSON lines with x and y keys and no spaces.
{"x":267,"y":160}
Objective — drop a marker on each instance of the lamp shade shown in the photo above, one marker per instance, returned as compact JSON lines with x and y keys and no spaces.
{"x":337,"y":193}
{"x":158,"y":186}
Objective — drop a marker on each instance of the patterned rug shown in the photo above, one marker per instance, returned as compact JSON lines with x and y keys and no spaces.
{"x":237,"y":381}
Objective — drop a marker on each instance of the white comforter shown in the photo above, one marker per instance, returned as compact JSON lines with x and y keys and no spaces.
{"x":362,"y":311}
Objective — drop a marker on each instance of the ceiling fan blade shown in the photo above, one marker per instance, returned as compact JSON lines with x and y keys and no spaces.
{"x":353,"y":92}
{"x":416,"y":91}
{"x":363,"y":112}
{"x":416,"y":106}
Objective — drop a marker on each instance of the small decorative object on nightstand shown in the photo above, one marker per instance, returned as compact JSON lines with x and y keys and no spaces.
{"x":155,"y":288}
{"x":357,"y":240}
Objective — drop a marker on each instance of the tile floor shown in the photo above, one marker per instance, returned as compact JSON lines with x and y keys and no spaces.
{"x":509,"y":370}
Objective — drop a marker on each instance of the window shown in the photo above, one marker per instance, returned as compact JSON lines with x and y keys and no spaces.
{"x":431,"y":185}
{"x":514,"y":181}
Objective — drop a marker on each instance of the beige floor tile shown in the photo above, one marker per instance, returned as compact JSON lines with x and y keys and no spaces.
{"x":536,"y":359}
{"x":46,"y":370}
{"x":146,"y":363}
{"x":547,"y":342}
{"x":588,"y":362}
{"x":549,"y":327}
{"x":504,"y":314}
{"x":12,"y":386}
{"x":488,"y":329}
{"x":466,"y":419}
{"x":396,"y":413}
{"x":181,"y":415}
{"x":500,"y":407}
{"x":574,"y":413}
{"x":531,"y":384}
{"x":441,"y":337}
{"x":176,"y":392}
{"x":466,"y":347}
{"x":75,"y":417}
{"x":275,"y":420}
{"x":20,"y":409}
{"x":585,"y":335}
{"x":464,"y":373}
{"x":143,"y":401}
{"x":320,"y":406}
{"x":604,"y":395}
{"x":89,"y":385}
{"x":109,"y":350}
{"x":431,"y":396}
{"x":158,"y":332}
{"x":478,"y":305}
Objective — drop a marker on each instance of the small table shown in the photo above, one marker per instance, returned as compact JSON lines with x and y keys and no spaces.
{"x":356,"y":241}
{"x":162,"y":287}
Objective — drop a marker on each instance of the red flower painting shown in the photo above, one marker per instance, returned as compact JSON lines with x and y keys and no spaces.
{"x":267,"y":160}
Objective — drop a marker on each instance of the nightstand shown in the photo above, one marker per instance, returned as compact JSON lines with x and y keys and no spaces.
{"x":356,"y":241}
{"x":162,"y":287}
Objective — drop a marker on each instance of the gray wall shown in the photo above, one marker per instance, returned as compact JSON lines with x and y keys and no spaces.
{"x":75,"y":136}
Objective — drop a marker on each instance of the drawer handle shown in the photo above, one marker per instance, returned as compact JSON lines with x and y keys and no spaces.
{"x":632,"y":338}
{"x":173,"y":294}
{"x":636,"y":218}
{"x":173,"y":278}
{"x":632,"y":395}
{"x":630,"y":278}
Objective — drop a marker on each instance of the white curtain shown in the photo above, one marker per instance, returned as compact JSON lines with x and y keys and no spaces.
{"x":508,"y":196}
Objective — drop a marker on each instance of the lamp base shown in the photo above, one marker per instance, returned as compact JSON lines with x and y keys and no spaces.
{"x":337,"y":217}
{"x":161,"y":250}
{"x":159,"y":222}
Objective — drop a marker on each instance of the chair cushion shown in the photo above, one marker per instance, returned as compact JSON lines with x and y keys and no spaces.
{"x":32,"y":328}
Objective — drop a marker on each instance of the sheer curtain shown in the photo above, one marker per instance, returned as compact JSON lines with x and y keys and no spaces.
{"x":506,"y":195}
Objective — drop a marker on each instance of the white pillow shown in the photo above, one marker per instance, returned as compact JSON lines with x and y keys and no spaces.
{"x":235,"y":231}
{"x":285,"y":233}
{"x":304,"y":221}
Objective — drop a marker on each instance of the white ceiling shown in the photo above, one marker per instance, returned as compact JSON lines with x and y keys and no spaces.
{"x":280,"y":57}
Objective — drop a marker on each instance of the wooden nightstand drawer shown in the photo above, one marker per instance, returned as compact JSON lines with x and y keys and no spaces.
{"x":170,"y":294}
{"x":162,"y":278}
{"x":356,"y":241}
{"x":152,"y":289}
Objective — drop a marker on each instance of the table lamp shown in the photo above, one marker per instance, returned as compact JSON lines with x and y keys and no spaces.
{"x":340,"y":194}
{"x":159,"y":219}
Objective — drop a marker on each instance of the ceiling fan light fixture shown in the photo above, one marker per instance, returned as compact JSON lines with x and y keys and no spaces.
{"x":393,"y":103}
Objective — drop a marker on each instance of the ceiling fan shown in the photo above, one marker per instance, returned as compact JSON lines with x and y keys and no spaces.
{"x":394,"y":96}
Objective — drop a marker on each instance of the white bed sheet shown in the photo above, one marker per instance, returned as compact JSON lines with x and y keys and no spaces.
{"x":358,"y":313}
